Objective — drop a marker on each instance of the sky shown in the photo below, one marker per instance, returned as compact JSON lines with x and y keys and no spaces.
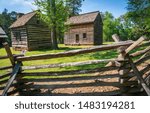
{"x":116,"y":7}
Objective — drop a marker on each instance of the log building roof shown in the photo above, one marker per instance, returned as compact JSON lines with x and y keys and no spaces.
{"x":83,"y":18}
{"x":23,"y":20}
{"x":2,"y":33}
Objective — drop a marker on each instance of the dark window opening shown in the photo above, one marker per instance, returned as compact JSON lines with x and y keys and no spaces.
{"x":18,"y":36}
{"x":38,"y":21}
{"x":84,"y":35}
{"x":77,"y":38}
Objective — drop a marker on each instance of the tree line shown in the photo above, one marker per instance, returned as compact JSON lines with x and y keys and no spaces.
{"x":130,"y":26}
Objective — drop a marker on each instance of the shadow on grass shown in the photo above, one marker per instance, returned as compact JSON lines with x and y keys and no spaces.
{"x":59,"y":49}
{"x":105,"y":55}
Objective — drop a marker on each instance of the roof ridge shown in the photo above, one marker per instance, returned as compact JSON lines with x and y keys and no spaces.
{"x":86,"y":13}
{"x":29,"y":12}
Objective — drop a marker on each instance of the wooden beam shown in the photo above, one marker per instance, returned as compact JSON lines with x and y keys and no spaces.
{"x":147,"y":43}
{"x":74,"y":52}
{"x":66,"y":79}
{"x":5,"y":75}
{"x":3,"y":57}
{"x":116,"y":38}
{"x":13,"y":76}
{"x":145,"y":70}
{"x":6,"y":67}
{"x":135,"y":44}
{"x":69,"y":64}
{"x":73,"y":72}
{"x":138,"y":53}
{"x":131,"y":47}
{"x":142,"y":60}
{"x":6,"y":57}
{"x":9,"y":53}
{"x":139,"y":76}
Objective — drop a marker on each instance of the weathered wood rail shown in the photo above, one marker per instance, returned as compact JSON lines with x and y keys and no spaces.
{"x":74,"y":52}
{"x":127,"y":68}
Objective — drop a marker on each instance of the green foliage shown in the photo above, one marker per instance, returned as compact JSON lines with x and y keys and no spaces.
{"x":130,"y":26}
{"x":139,"y":13}
{"x":108,"y":26}
{"x":6,"y":19}
{"x":74,"y":6}
{"x":47,"y":15}
{"x":123,"y":26}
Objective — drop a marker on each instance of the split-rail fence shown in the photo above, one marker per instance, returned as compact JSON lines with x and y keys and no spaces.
{"x":132,"y":78}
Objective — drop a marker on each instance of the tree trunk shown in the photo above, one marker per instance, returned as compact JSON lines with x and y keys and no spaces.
{"x":60,"y":37}
{"x":53,"y":30}
{"x":54,"y":38}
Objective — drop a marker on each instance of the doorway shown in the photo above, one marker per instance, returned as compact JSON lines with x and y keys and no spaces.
{"x":77,"y":38}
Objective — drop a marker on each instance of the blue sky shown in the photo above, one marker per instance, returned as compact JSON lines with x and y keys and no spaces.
{"x":116,"y":7}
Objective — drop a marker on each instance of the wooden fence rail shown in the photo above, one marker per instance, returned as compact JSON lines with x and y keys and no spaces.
{"x":74,"y":52}
{"x":69,"y":64}
{"x":3,"y":57}
{"x":13,"y":76}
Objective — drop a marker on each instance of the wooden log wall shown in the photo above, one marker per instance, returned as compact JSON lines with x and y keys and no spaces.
{"x":70,"y":36}
{"x":34,"y":35}
{"x":39,"y":35}
{"x":22,"y":42}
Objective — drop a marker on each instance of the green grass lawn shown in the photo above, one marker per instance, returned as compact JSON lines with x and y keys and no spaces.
{"x":92,"y":56}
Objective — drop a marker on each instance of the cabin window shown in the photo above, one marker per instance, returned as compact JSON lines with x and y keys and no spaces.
{"x":38,"y":21}
{"x":84,"y":35}
{"x":77,"y":38}
{"x":18,"y":36}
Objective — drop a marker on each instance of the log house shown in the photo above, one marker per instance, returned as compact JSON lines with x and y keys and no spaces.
{"x":84,"y":29}
{"x":29,"y":32}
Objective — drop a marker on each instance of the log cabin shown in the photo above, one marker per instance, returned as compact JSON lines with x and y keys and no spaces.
{"x":29,"y":32}
{"x":3,"y":36}
{"x":84,"y":29}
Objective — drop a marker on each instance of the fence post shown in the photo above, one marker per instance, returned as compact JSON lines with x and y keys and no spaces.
{"x":9,"y":53}
{"x":123,"y":71}
{"x":12,"y":60}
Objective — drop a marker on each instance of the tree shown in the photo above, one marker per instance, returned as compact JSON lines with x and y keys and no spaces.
{"x":54,"y":13}
{"x":109,"y":26}
{"x":122,"y":26}
{"x":74,"y":6}
{"x":53,"y":20}
{"x":6,"y":19}
{"x":125,"y":27}
{"x":139,"y":13}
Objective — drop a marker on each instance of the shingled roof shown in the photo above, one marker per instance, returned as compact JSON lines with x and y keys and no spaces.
{"x":2,"y":33}
{"x":23,"y":20}
{"x":83,"y":18}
